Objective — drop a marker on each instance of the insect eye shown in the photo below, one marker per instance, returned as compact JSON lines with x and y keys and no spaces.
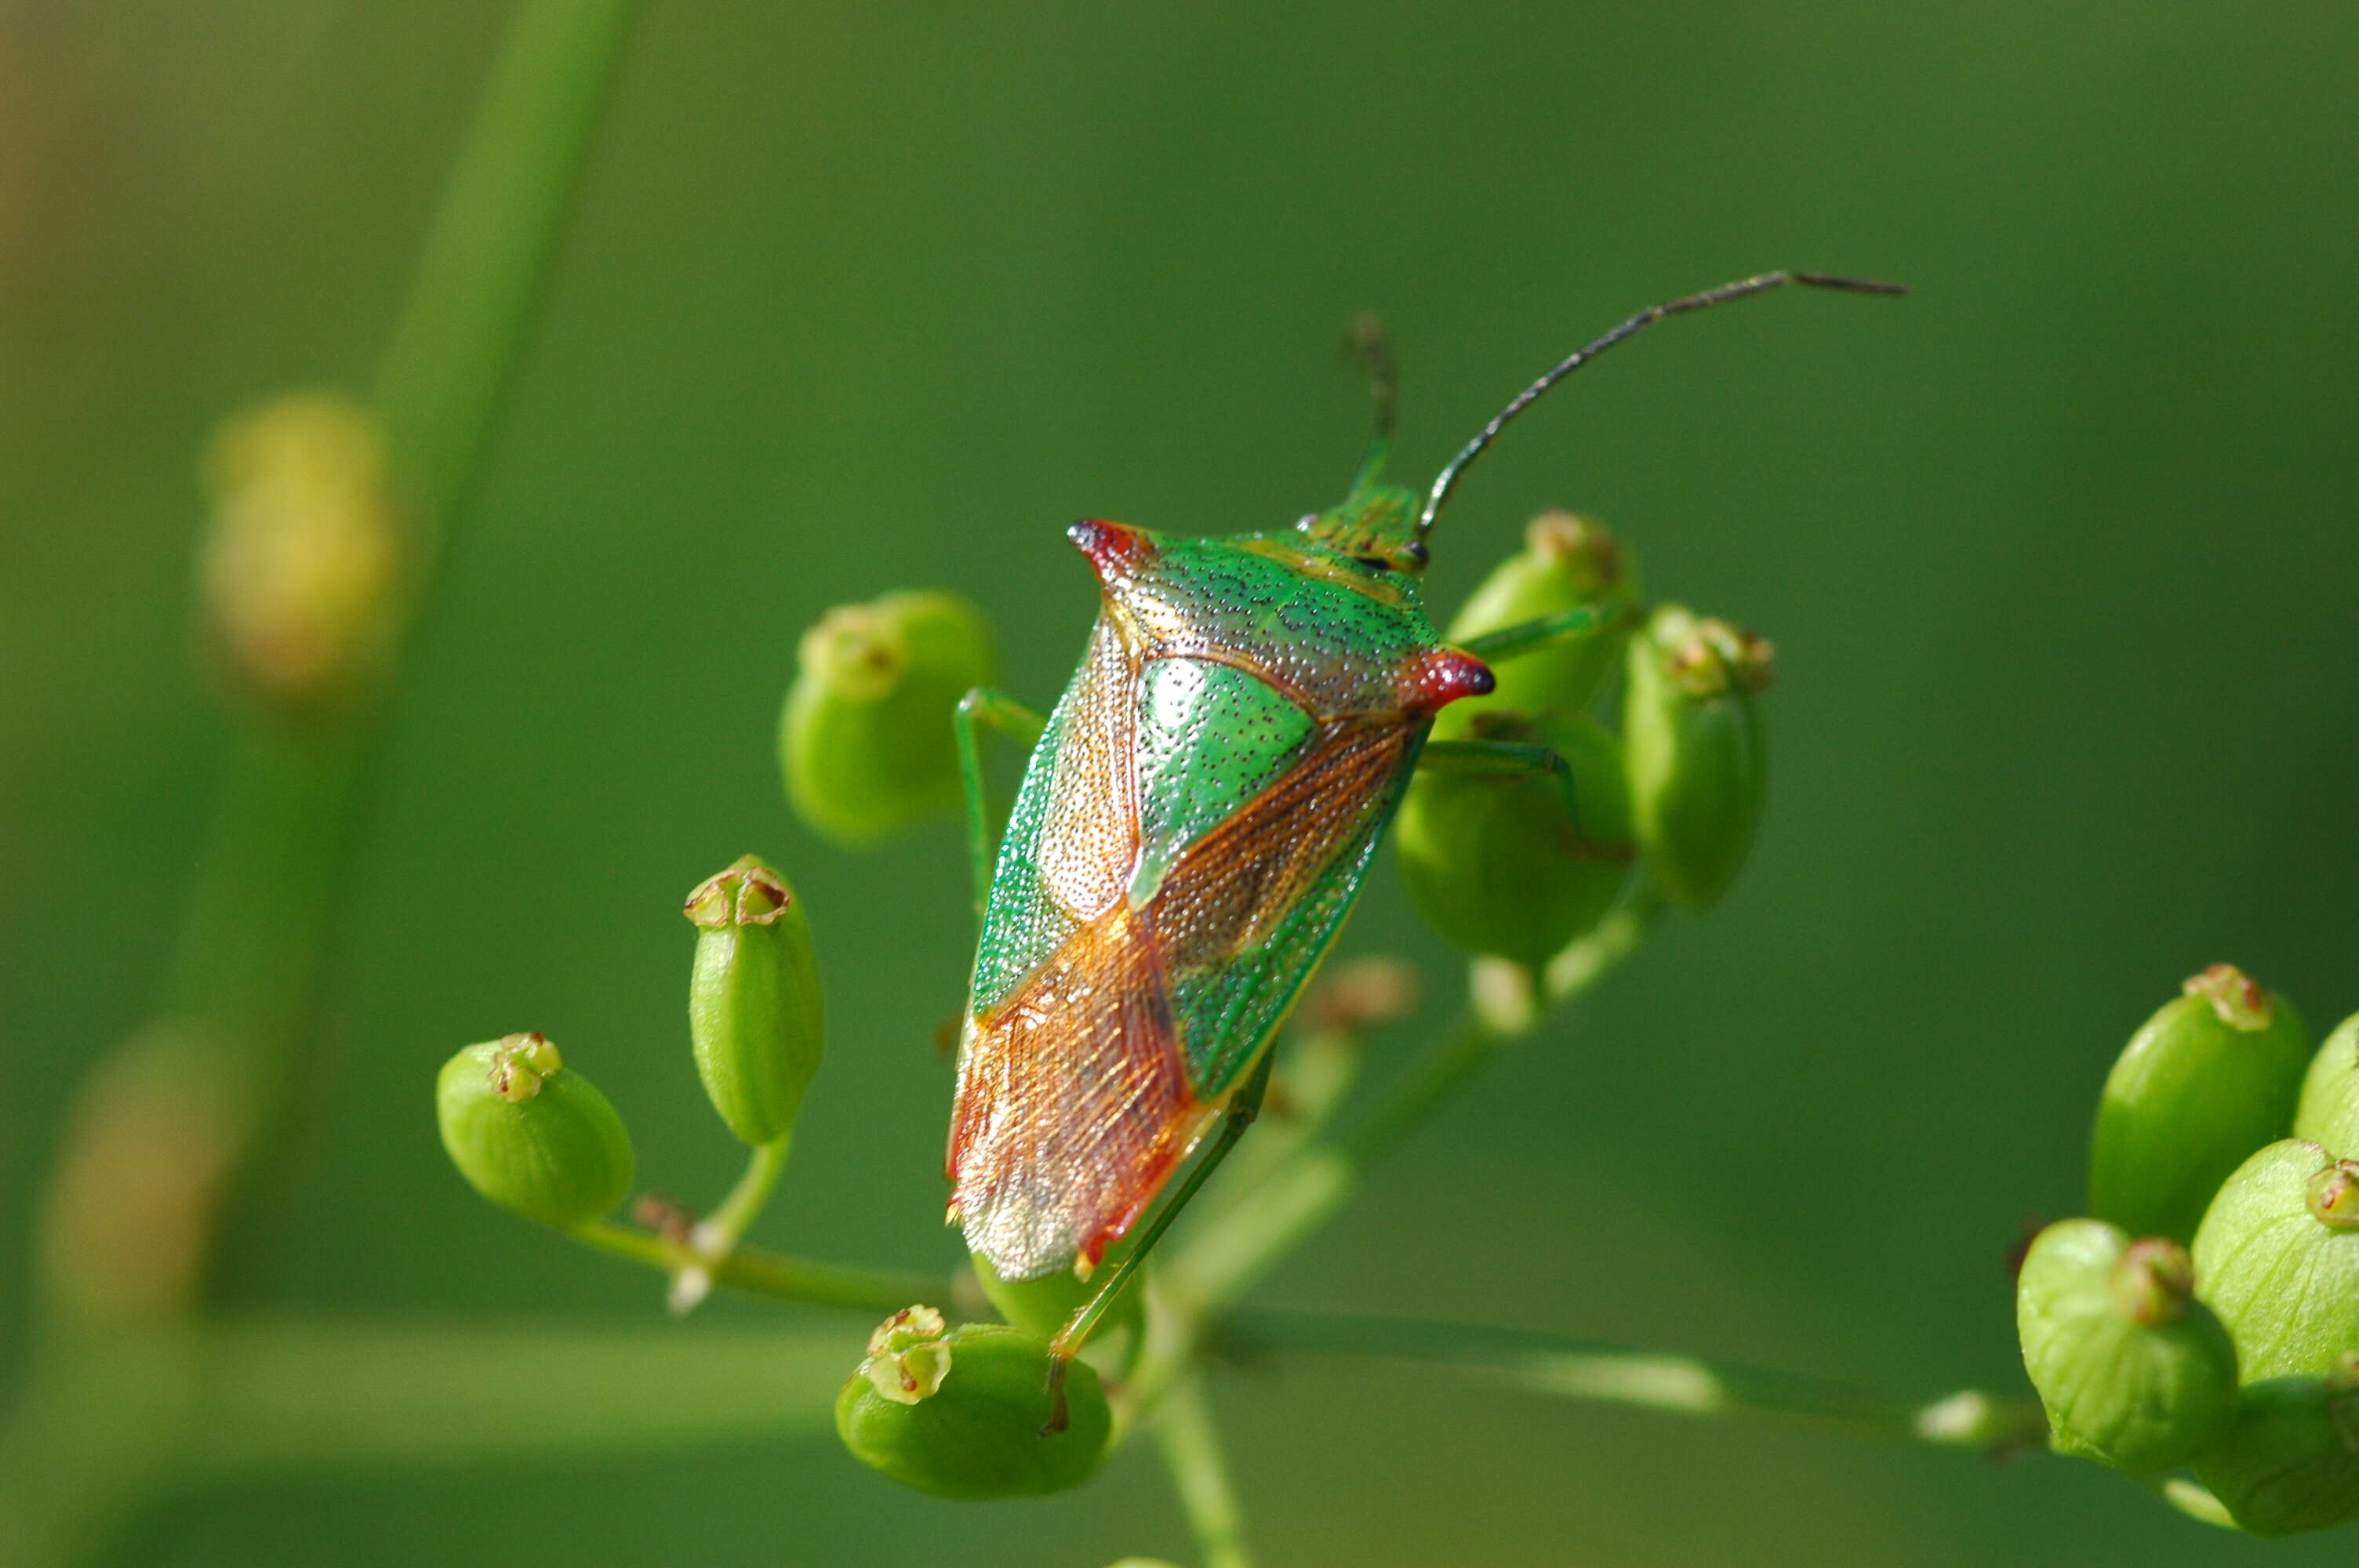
{"x":1416,"y":551}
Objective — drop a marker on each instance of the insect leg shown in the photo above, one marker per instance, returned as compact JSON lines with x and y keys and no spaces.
{"x":1242,"y":1109}
{"x":980,"y":708}
{"x":1503,"y":759}
{"x":1566,"y":626}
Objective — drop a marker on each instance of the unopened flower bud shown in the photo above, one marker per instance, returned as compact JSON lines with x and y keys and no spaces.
{"x":1520,"y":866}
{"x":755,"y":1011}
{"x":1567,"y":562}
{"x":530,"y":1133}
{"x":1697,"y":755}
{"x":978,"y":1431}
{"x":2204,"y":1082}
{"x":2277,"y":1257}
{"x":127,"y":1227}
{"x":302,"y":568}
{"x":866,"y":741}
{"x":2328,"y":1112}
{"x":2290,"y":1464}
{"x":2133,"y":1370}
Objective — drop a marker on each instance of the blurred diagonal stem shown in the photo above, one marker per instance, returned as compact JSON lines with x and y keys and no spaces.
{"x":101,"y":1405}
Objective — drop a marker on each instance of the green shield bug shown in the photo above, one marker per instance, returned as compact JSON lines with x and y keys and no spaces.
{"x":1195,"y":822}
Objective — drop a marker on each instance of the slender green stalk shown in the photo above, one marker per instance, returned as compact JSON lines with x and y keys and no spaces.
{"x":302,"y":1395}
{"x":1199,"y":1473}
{"x":1573,"y":1368}
{"x":715,"y":1236}
{"x":1310,"y":1185}
{"x":439,"y":384}
{"x":760,"y":1273}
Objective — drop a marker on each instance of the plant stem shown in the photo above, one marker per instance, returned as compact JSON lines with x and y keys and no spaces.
{"x":1199,"y":1473}
{"x":440,"y":381}
{"x":1306,"y":1190}
{"x":302,"y":1394}
{"x":765,"y":1273}
{"x":716,"y":1236}
{"x":1586,"y":1369}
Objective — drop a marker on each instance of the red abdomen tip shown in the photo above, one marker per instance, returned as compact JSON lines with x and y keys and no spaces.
{"x":1439,"y":676}
{"x":1114,"y":550}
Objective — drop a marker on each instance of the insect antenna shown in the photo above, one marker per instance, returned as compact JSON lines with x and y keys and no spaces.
{"x":1447,"y":481}
{"x":1368,"y":345}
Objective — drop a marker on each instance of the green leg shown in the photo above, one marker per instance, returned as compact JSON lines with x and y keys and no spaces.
{"x":1084,"y":1321}
{"x":977,"y":709}
{"x":1502,"y":760}
{"x":1530,"y":637}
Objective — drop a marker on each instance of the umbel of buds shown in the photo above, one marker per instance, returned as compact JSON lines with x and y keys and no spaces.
{"x":1567,"y":562}
{"x":2207,"y":1080}
{"x":866,"y":741}
{"x":531,"y":1134}
{"x":2279,"y":1256}
{"x":2329,"y":1110}
{"x":1520,"y":866}
{"x":2133,"y":1370}
{"x":1698,"y":761}
{"x":961,"y":1411}
{"x":2290,"y":1464}
{"x":755,"y":1011}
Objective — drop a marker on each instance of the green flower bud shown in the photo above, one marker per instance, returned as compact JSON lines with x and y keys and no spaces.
{"x":2134,"y":1371}
{"x":2279,"y":1256}
{"x":959,"y":1412}
{"x":531,"y":1135}
{"x":1506,"y":865}
{"x":866,"y":741}
{"x":2207,"y":1080}
{"x":2291,"y":1461}
{"x":1697,"y":757}
{"x":754,"y":1004}
{"x":2328,"y":1112}
{"x":1042,"y":1306}
{"x":303,"y":567}
{"x":1567,"y":561}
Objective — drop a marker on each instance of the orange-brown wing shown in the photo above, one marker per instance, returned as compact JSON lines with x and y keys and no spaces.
{"x":1244,"y":916}
{"x":1079,"y":1094}
{"x":1073,"y":1105}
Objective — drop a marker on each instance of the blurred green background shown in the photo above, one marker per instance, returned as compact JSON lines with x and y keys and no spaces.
{"x":2059,"y":556}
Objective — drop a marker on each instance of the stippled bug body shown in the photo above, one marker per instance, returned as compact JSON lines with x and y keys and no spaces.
{"x":1193,"y":826}
{"x":1189,"y":835}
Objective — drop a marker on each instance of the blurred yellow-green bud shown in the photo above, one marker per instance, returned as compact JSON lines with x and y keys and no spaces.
{"x":531,"y":1134}
{"x":127,"y":1225}
{"x":303,"y":562}
{"x":1507,"y":865}
{"x":2291,"y":1461}
{"x":959,"y":1412}
{"x":1567,"y":561}
{"x":2207,"y":1080}
{"x":2328,"y":1112}
{"x":1042,"y":1306}
{"x":867,"y":741}
{"x":1698,"y":761}
{"x":755,"y":1011}
{"x":2133,"y":1370}
{"x":2278,"y":1259}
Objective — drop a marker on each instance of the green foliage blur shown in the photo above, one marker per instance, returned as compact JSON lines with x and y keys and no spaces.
{"x":2059,"y":555}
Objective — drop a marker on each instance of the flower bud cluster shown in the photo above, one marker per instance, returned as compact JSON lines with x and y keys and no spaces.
{"x":1517,"y":867}
{"x":2228,"y":1339}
